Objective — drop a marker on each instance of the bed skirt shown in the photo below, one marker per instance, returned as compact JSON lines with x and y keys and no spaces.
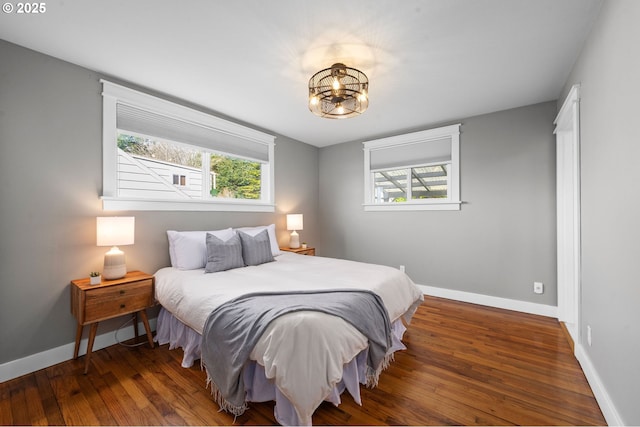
{"x":258,"y":387}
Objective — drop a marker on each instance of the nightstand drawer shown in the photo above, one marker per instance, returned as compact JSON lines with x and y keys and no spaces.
{"x":112,"y":301}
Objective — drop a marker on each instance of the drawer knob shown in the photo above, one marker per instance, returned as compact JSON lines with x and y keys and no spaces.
{"x":122,"y":292}
{"x":122,"y":305}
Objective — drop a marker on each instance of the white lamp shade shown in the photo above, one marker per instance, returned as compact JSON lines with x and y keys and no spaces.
{"x":294,"y":222}
{"x":115,"y":230}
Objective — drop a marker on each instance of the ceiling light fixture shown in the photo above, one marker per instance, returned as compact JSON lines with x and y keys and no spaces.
{"x":338,"y":92}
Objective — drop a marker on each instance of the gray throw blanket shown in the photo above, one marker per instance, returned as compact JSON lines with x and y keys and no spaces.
{"x":233,"y":329}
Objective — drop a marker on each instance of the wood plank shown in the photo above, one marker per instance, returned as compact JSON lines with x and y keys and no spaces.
{"x":19,"y":405}
{"x":6,"y":416}
{"x":35,"y":407}
{"x":123,"y":407}
{"x":90,"y":387}
{"x":464,"y":365}
{"x":124,"y":375}
{"x":73,"y":403}
{"x":567,"y":335}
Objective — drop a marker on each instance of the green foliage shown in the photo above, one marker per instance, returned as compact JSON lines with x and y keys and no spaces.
{"x":235,"y":178}
{"x":133,"y":145}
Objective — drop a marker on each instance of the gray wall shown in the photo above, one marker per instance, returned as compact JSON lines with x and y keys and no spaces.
{"x":50,"y":182}
{"x":500,"y":242}
{"x":608,"y":70}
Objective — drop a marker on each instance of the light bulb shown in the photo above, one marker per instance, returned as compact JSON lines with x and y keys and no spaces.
{"x":313,"y":100}
{"x":336,"y":84}
{"x":340,"y":109}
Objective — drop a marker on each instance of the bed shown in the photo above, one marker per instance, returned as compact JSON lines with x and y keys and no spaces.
{"x":302,"y":358}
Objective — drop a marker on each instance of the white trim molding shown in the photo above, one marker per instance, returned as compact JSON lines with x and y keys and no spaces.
{"x":452,"y":201}
{"x":603,"y":398}
{"x":35,"y":362}
{"x":567,"y":132}
{"x":180,"y":117}
{"x":491,"y":301}
{"x":131,"y":204}
{"x":434,"y":205}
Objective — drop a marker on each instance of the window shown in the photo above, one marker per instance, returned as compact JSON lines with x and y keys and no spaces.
{"x":416,"y":171}
{"x":427,"y":182}
{"x":180,"y":180}
{"x":158,"y":155}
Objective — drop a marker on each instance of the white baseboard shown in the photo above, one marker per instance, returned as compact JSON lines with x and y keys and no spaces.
{"x":35,"y":362}
{"x":603,"y":398}
{"x":508,"y":304}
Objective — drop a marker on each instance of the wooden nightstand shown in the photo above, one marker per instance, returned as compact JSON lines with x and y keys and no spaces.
{"x":300,"y":251}
{"x":91,"y":304}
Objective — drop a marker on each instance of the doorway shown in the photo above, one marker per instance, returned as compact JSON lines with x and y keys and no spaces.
{"x":567,"y":133}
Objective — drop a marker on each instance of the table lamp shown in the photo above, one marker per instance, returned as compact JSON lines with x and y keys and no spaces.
{"x":115,"y":231}
{"x":294,"y":223}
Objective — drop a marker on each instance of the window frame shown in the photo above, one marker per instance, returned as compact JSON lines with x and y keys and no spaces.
{"x":452,"y":202}
{"x":112,"y":94}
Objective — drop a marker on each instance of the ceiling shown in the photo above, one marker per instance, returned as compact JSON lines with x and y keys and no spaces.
{"x":428,"y":61}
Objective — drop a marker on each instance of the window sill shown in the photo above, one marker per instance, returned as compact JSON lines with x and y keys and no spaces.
{"x":415,"y":206}
{"x":127,"y":204}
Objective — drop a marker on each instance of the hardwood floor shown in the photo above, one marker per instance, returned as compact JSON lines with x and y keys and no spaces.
{"x":465,"y":365}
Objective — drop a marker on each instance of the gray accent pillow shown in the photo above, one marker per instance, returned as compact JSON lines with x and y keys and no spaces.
{"x":256,"y":249}
{"x":223,"y":255}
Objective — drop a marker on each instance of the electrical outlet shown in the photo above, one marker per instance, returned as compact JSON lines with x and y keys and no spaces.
{"x":589,"y":335}
{"x":538,"y":287}
{"x":402,"y":268}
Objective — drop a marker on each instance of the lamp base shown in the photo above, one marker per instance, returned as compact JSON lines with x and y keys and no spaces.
{"x":115,"y":266}
{"x":294,"y":240}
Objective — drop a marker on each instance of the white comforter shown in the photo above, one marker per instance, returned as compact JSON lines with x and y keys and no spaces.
{"x":303,"y":352}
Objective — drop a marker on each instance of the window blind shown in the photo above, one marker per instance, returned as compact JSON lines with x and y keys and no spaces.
{"x":412,"y":154}
{"x":129,"y":118}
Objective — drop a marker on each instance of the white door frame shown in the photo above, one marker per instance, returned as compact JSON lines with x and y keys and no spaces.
{"x":567,"y":133}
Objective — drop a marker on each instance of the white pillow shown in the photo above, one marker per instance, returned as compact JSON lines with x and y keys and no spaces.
{"x":188,"y":249}
{"x":271,"y":230}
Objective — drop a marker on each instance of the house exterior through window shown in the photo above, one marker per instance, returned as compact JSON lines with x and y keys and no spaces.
{"x":416,"y":171}
{"x":159,"y":155}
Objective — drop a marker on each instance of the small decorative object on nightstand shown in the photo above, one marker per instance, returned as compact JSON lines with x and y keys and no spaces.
{"x":304,"y":245}
{"x":95,"y":278}
{"x":91,"y":304}
{"x":301,"y":251}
